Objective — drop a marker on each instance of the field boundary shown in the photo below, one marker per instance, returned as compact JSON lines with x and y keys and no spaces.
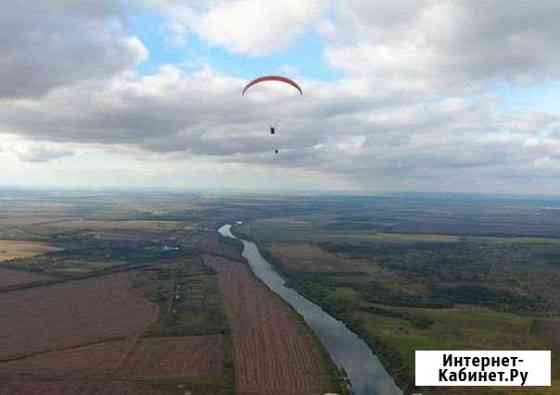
{"x":128,"y":267}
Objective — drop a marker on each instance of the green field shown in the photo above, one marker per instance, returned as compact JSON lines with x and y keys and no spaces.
{"x":408,"y":291}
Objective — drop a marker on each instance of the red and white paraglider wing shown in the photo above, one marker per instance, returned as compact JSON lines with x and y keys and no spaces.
{"x":272,"y":78}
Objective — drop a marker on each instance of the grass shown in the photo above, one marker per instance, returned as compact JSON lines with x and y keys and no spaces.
{"x":395,"y":339}
{"x":312,"y":228}
{"x":199,"y":311}
{"x":460,"y":328}
{"x":292,"y":229}
{"x":411,"y":265}
{"x":515,"y":240}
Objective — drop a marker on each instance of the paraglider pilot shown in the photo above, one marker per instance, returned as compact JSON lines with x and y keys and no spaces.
{"x":272,"y":78}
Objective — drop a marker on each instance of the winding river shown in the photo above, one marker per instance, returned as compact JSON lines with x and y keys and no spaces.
{"x":366,"y":374}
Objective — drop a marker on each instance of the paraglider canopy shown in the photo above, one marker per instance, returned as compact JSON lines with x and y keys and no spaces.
{"x":272,"y":78}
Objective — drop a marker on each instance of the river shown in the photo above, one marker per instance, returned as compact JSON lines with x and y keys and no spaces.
{"x":366,"y":374}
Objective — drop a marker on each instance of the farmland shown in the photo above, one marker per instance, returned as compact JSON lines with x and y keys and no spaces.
{"x":398,"y":312}
{"x":261,"y":326}
{"x":408,"y":274}
{"x":17,"y":277}
{"x":97,"y":329}
{"x":189,"y":299}
{"x":136,"y":293}
{"x":99,"y":225}
{"x":97,"y":360}
{"x":83,"y":388}
{"x":175,"y":357}
{"x":71,"y":314}
{"x":105,"y":293}
{"x":11,"y":249}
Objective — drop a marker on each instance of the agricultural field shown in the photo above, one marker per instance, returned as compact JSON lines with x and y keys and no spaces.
{"x":175,"y":358}
{"x":89,"y":284}
{"x":9,"y":278}
{"x":123,"y":225}
{"x":549,"y":331}
{"x":339,"y":218}
{"x":94,"y":361}
{"x":424,"y":275}
{"x":137,"y":293}
{"x":83,"y":252}
{"x":12,"y":249}
{"x":85,"y":388}
{"x":274,"y":352}
{"x":309,"y":257}
{"x":130,"y":359}
{"x":96,"y":335}
{"x":394,"y":305}
{"x":71,"y":314}
{"x":188,"y":297}
{"x":212,"y":243}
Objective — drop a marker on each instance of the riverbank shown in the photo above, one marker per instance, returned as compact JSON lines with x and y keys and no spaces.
{"x":338,"y":378}
{"x":367,"y":284}
{"x":347,"y":349}
{"x":389,"y":357}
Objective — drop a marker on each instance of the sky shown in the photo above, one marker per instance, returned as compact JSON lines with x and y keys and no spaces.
{"x":399,"y":95}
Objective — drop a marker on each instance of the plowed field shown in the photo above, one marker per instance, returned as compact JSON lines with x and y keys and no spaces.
{"x":175,"y":357}
{"x":96,"y":360}
{"x":71,"y":314}
{"x":273,"y":351}
{"x":15,"y":277}
{"x":77,"y":387}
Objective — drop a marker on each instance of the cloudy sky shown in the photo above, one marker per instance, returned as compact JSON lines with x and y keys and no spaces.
{"x":400,"y":95}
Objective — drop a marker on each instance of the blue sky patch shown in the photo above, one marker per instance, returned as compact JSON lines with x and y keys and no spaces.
{"x":304,"y":59}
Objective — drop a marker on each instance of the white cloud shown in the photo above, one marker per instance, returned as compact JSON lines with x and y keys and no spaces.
{"x":403,"y":116}
{"x":41,"y":153}
{"x":363,"y":140}
{"x":254,"y":27}
{"x":446,"y":46}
